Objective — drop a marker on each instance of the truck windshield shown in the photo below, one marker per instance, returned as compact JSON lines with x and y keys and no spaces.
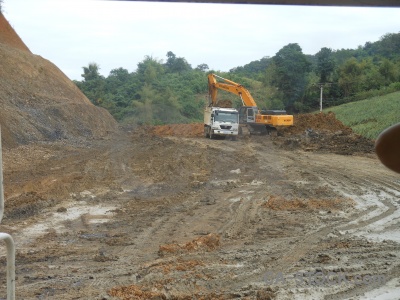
{"x":231,"y":117}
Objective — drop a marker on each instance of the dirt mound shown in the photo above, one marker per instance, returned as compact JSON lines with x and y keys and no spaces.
{"x":27,"y":204}
{"x":183,"y":265}
{"x":324,"y":133}
{"x":134,"y":292}
{"x":38,"y":102}
{"x":317,"y":122}
{"x":280,"y":203}
{"x":302,"y":122}
{"x":311,"y":132}
{"x":224,"y":103}
{"x":209,"y":242}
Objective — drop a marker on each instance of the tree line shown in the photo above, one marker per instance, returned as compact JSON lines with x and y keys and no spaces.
{"x":156,"y":93}
{"x":172,"y":91}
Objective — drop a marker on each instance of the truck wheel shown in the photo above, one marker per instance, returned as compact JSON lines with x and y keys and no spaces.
{"x":243,"y":130}
{"x":205,"y":131}
{"x":210,"y":134}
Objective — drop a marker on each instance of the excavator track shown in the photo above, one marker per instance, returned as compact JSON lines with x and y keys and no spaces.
{"x":244,"y":130}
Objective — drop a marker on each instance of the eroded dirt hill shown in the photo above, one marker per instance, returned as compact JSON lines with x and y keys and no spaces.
{"x":9,"y":36}
{"x":38,"y":102}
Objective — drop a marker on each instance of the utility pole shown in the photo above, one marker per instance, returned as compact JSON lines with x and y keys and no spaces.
{"x":321,"y":85}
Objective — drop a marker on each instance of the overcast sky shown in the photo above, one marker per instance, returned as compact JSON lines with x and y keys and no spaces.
{"x":113,"y":34}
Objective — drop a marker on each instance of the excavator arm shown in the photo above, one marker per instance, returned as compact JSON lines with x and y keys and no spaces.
{"x":228,"y":86}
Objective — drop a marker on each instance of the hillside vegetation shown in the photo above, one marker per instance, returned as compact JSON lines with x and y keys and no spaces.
{"x":172,"y":91}
{"x":371,"y":116}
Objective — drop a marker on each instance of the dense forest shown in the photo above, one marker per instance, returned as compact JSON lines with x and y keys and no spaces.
{"x":172,"y":91}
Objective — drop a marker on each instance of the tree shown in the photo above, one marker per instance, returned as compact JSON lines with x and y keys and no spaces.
{"x":325,"y":64}
{"x":254,"y":69}
{"x":350,"y":77}
{"x":116,"y":82}
{"x":370,"y":78}
{"x":93,"y":84}
{"x":202,"y":67}
{"x":181,"y":65}
{"x":150,"y":69}
{"x":171,"y":58}
{"x":121,"y":74}
{"x":91,"y":72}
{"x":144,"y":107}
{"x":389,"y":45}
{"x":388,"y":71}
{"x":176,"y":64}
{"x":288,"y":72}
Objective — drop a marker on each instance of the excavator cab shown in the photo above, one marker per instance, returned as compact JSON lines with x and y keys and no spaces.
{"x":247,"y":121}
{"x":247,"y":114}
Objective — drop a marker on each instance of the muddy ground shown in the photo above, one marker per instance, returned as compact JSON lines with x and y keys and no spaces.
{"x":146,"y":215}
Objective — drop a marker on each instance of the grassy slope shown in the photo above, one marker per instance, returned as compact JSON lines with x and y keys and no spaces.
{"x":371,"y":116}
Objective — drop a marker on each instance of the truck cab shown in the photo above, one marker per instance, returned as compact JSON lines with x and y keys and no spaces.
{"x":220,"y":121}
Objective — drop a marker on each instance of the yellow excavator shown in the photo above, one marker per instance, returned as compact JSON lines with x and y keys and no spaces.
{"x":251,"y":119}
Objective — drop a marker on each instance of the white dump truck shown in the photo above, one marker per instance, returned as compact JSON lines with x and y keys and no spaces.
{"x":220,"y":121}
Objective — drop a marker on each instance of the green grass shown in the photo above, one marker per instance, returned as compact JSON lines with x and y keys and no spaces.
{"x":371,"y":116}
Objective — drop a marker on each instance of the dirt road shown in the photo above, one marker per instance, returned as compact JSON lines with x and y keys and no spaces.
{"x":148,"y":217}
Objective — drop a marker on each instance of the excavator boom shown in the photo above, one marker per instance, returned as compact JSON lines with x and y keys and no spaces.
{"x":231,"y":87}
